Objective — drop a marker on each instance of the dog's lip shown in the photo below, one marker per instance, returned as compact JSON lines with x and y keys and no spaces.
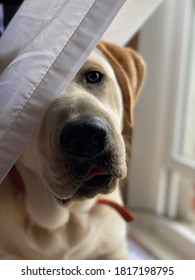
{"x":63,"y":201}
{"x":94,"y":172}
{"x":95,"y":176}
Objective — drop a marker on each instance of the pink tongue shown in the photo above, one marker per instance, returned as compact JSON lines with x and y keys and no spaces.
{"x":93,"y":172}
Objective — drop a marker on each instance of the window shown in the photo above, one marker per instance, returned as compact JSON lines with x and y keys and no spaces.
{"x":187,"y":128}
{"x":187,"y":144}
{"x":162,"y":173}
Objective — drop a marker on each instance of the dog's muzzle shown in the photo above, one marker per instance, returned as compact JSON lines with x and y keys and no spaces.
{"x":88,"y":146}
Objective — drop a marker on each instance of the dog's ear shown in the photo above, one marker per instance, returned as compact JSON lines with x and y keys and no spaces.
{"x":129,"y":68}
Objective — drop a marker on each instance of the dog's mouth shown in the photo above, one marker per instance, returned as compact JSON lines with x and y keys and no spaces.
{"x":95,"y":181}
{"x":95,"y":173}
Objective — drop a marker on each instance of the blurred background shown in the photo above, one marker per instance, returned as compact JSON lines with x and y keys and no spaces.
{"x":161,"y":189}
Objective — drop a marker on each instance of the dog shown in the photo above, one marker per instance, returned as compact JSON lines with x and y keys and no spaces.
{"x":76,"y":155}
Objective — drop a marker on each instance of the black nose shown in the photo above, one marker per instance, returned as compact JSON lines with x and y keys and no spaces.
{"x":84,"y":138}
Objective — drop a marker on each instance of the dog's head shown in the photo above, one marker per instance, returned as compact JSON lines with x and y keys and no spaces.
{"x":81,"y":145}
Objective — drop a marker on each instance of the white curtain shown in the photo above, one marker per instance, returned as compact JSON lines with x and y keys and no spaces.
{"x":42,"y":49}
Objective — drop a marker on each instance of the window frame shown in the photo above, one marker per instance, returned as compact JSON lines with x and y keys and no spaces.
{"x":155,"y":145}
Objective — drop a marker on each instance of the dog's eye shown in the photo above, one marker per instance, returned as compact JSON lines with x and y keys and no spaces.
{"x":93,"y":77}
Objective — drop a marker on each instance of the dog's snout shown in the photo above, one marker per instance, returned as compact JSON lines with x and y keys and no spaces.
{"x":84,"y":138}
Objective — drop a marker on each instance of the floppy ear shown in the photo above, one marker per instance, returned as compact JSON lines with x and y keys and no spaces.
{"x":129,"y":68}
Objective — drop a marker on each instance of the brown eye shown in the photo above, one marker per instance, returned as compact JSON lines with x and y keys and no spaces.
{"x":93,"y":77}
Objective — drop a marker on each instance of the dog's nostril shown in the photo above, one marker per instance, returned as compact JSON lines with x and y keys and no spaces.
{"x":99,"y":138}
{"x":85,"y":137}
{"x":73,"y":145}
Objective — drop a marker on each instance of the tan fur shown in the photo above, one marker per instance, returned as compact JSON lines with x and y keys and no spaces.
{"x":32,"y":224}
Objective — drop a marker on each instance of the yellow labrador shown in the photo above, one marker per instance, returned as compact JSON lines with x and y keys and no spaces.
{"x":76,"y":155}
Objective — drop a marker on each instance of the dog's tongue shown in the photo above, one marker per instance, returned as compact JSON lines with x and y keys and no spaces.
{"x":94,"y":172}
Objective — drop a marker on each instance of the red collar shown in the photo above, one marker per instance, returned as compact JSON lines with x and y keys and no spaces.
{"x":122,"y":210}
{"x":15,"y":176}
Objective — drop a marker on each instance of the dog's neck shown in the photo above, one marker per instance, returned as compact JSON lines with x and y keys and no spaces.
{"x":40,"y":204}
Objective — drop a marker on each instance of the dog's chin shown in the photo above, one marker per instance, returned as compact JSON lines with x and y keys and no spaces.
{"x":101,"y":184}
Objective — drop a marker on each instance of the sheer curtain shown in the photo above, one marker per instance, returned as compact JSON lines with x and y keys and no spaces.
{"x":42,"y":49}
